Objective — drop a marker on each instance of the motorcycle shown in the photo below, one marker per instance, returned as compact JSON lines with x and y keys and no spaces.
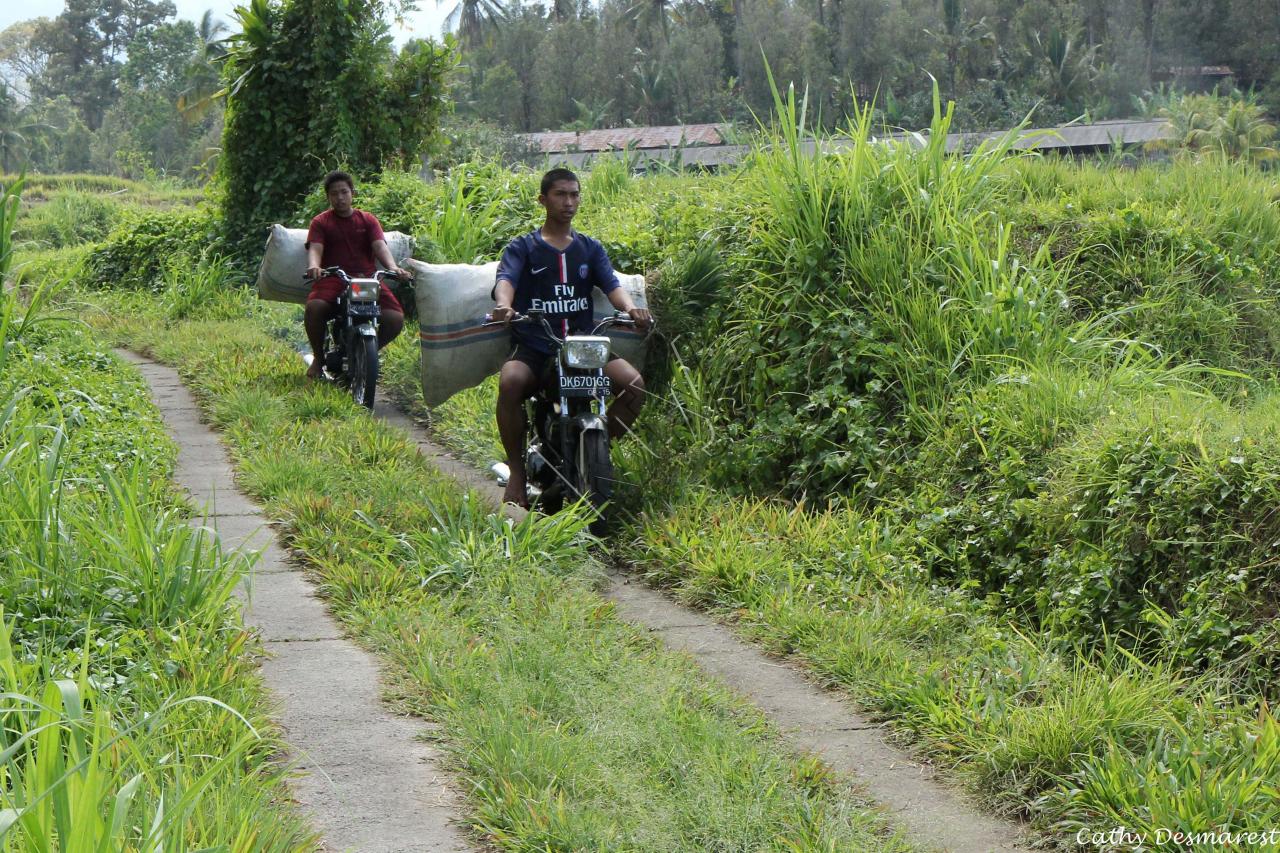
{"x":567,"y":448}
{"x":351,"y":336}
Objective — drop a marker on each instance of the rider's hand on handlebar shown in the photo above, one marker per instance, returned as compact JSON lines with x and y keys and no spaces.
{"x":314,"y":273}
{"x":641,"y":317}
{"x":503,"y":314}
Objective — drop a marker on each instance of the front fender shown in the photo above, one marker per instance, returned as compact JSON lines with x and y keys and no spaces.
{"x":591,"y":422}
{"x":366,"y":330}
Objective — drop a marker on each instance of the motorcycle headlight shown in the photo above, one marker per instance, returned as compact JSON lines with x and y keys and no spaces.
{"x":364,"y":289}
{"x":586,"y":352}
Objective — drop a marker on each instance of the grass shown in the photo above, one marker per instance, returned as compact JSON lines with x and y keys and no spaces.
{"x":43,"y":187}
{"x":132,"y":716}
{"x":986,"y":441}
{"x":1022,"y":387}
{"x":570,"y":729}
{"x":1033,"y":726}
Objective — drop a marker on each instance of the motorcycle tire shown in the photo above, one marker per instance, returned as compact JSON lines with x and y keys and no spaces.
{"x":362,"y":369}
{"x":595,"y":475}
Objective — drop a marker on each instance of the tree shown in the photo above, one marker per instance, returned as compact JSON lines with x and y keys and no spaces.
{"x":143,"y":129}
{"x":1234,"y":126}
{"x":965,"y":43}
{"x":1065,"y":71}
{"x":20,"y":133}
{"x":86,"y":45}
{"x":204,"y":83}
{"x":315,"y":84}
{"x":470,"y":18}
{"x":21,"y":58}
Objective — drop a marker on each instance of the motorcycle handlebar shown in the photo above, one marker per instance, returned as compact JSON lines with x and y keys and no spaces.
{"x":621,"y":318}
{"x":342,"y":274}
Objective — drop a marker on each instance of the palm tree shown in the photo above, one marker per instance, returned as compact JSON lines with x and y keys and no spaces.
{"x":469,"y":18}
{"x":204,"y":83}
{"x":562,"y":10}
{"x":18,"y":131}
{"x":960,"y":39}
{"x":647,"y":13}
{"x":1242,"y":131}
{"x":1067,"y":71}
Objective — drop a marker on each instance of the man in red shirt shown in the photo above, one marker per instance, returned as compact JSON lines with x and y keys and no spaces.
{"x":352,"y":239}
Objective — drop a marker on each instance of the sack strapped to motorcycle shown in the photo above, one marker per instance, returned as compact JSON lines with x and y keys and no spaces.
{"x":285,"y":260}
{"x":458,"y":351}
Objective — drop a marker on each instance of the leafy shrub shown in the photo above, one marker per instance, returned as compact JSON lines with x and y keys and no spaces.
{"x":317,"y":85}
{"x":138,"y":251}
{"x":1160,"y":524}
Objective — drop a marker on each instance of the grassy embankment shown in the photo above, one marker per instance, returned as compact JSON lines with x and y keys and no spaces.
{"x":132,"y":715}
{"x":570,"y":729}
{"x":989,"y":443}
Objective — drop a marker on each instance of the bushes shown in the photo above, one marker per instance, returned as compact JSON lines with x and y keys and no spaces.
{"x":137,"y":252}
{"x":1163,"y":527}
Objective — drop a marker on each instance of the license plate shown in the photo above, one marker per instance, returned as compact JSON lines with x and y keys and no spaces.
{"x":583,"y":386}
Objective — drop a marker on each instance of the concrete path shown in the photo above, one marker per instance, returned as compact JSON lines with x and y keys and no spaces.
{"x":812,"y":720}
{"x":366,"y":780}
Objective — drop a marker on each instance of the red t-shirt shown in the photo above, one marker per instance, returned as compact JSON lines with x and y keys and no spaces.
{"x":348,"y":241}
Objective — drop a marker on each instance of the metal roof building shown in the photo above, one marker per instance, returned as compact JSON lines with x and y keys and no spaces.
{"x":1073,"y":139}
{"x":618,"y":138}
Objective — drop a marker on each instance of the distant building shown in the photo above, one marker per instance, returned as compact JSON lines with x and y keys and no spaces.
{"x":1193,"y":78}
{"x":625,"y":138}
{"x":648,"y":146}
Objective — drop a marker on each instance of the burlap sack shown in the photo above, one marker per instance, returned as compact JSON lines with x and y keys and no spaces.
{"x":458,"y":351}
{"x":285,"y":260}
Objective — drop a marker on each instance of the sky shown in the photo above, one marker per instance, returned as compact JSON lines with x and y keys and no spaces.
{"x":422,"y":24}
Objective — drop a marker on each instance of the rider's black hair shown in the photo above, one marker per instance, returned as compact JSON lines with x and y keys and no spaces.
{"x":557,"y":175}
{"x":338,"y":175}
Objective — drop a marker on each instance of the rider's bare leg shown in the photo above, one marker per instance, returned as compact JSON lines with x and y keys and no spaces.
{"x":516,"y":383}
{"x":628,"y":385}
{"x":389,"y":325}
{"x":313,"y":319}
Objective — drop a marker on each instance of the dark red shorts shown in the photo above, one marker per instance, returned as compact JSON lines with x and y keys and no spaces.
{"x":331,"y":287}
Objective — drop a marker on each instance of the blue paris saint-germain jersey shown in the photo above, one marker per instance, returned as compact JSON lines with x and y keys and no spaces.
{"x":558,"y":283}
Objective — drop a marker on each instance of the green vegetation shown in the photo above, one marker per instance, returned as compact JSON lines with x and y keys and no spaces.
{"x":987,"y":441}
{"x":1006,"y":429}
{"x":662,"y":63}
{"x":571,"y":729}
{"x":317,"y":86}
{"x":132,"y":716}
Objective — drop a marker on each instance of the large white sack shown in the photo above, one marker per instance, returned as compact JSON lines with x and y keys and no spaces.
{"x":285,"y":261}
{"x":458,"y":351}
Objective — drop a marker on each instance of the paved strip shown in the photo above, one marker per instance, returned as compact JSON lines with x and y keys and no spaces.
{"x":365,"y":777}
{"x":812,"y":720}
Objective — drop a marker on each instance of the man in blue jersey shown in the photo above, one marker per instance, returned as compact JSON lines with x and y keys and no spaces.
{"x":554,"y":268}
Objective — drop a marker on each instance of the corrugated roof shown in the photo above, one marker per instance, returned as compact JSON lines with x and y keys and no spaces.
{"x":1102,"y":134}
{"x":1067,"y":138}
{"x":616,"y":138}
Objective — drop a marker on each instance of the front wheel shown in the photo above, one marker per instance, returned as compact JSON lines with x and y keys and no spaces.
{"x":362,"y":368}
{"x":595,"y":475}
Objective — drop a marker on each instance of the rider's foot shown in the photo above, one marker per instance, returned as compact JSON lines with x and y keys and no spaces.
{"x":316,"y":370}
{"x":515,"y":493}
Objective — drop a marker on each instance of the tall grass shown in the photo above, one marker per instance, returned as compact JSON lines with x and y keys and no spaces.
{"x":120,"y":652}
{"x":19,"y":312}
{"x":10,"y":202}
{"x":95,"y":549}
{"x":463,"y":231}
{"x":77,"y":778}
{"x":877,"y":283}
